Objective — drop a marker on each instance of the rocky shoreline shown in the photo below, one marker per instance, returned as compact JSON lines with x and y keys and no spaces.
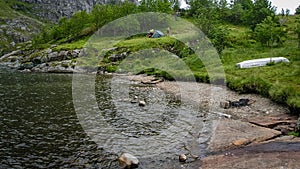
{"x":243,"y":135}
{"x":45,"y":61}
{"x":261,"y":123}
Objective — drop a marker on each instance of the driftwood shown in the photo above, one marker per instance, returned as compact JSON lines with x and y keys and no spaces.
{"x":154,"y":81}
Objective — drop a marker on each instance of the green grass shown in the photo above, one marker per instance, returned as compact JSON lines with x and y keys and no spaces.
{"x":279,"y":82}
{"x":5,"y":11}
{"x":74,"y":45}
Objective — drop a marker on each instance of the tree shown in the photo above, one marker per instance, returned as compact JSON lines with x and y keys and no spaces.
{"x":298,"y":10}
{"x":223,"y":9}
{"x":261,"y":10}
{"x":163,"y":6}
{"x":269,"y":32}
{"x":219,"y":38}
{"x":78,"y":22}
{"x":236,"y":14}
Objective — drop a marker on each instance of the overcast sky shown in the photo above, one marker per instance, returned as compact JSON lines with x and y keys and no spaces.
{"x":286,"y":4}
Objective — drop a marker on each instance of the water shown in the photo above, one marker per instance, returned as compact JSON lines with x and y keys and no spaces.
{"x":40,"y":128}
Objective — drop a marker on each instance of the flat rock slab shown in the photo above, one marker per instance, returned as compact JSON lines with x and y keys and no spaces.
{"x":289,"y":160}
{"x":272,"y":121}
{"x":228,"y":134}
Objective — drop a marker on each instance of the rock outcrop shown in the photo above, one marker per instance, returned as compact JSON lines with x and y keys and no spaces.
{"x":47,"y":61}
{"x":17,"y":30}
{"x":54,"y":9}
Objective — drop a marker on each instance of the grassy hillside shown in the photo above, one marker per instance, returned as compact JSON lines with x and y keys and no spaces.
{"x":279,"y":82}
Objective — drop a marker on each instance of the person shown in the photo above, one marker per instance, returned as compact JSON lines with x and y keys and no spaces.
{"x":154,"y":34}
{"x":150,"y":33}
{"x":168,"y":31}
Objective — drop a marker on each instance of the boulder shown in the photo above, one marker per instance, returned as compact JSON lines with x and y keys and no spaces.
{"x":117,"y":57}
{"x":127,"y":160}
{"x":75,"y":53}
{"x":63,"y":54}
{"x":53,"y":56}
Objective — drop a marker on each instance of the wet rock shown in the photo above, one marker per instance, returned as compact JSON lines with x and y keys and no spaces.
{"x":27,"y":65}
{"x":182,"y":158}
{"x":134,"y":100}
{"x":142,"y":103}
{"x":127,"y":160}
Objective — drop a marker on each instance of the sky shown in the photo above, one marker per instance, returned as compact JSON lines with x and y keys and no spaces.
{"x":286,"y":4}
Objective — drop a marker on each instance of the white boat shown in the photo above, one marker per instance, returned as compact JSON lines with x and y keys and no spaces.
{"x":260,"y":62}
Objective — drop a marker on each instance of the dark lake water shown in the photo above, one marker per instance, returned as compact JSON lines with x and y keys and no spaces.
{"x":40,"y":128}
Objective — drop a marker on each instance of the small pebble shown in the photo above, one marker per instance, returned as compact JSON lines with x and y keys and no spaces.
{"x":182,"y":158}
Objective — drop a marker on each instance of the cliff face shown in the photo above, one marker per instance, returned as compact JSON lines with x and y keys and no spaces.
{"x":54,"y":9}
{"x":18,"y":26}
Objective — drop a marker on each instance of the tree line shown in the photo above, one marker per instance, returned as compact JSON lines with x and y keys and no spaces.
{"x":210,"y":16}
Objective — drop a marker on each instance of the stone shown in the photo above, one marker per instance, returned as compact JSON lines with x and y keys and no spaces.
{"x":127,"y":160}
{"x":298,"y":125}
{"x":273,"y":121}
{"x":182,"y":158}
{"x":53,"y":56}
{"x":27,"y":65}
{"x":11,"y":54}
{"x":142,"y":103}
{"x":63,"y":54}
{"x":225,"y":105}
{"x":228,"y":133}
{"x":75,"y":53}
{"x":240,"y":142}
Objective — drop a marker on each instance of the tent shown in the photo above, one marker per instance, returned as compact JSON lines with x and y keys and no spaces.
{"x":156,"y":33}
